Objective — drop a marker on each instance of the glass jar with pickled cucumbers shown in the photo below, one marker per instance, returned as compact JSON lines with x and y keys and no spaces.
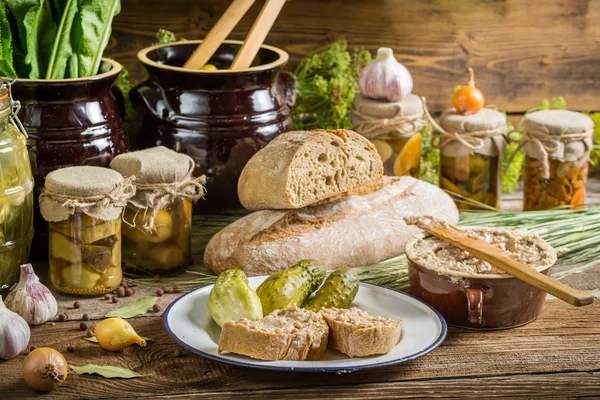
{"x":157,"y":228}
{"x":83,"y":207}
{"x":16,"y":191}
{"x":471,"y":150}
{"x":395,"y":128}
{"x":557,"y":146}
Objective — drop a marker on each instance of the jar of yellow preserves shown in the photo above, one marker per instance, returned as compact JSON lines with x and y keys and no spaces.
{"x":16,"y":191}
{"x":83,"y":206}
{"x":471,"y":150}
{"x":157,"y":228}
{"x":394,"y":128}
{"x":557,"y":145}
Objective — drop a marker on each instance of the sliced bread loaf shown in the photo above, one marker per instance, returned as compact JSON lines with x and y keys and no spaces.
{"x":293,"y":334}
{"x":300,"y":168}
{"x":357,"y":334}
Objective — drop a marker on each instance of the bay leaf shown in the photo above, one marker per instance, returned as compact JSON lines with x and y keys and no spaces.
{"x":94,"y":340}
{"x":133,"y":309}
{"x":107,"y":371}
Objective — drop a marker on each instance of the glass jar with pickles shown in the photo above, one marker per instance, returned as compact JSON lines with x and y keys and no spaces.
{"x":157,"y":228}
{"x":83,"y":207}
{"x":16,"y":191}
{"x":557,"y":145}
{"x":471,"y":150}
{"x":394,"y":128}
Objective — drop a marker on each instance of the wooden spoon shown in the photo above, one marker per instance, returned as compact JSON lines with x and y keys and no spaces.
{"x":495,"y":256}
{"x":257,"y":34}
{"x":230,"y":18}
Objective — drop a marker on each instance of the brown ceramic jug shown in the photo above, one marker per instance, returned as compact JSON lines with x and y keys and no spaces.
{"x":69,"y":122}
{"x":219,"y":118}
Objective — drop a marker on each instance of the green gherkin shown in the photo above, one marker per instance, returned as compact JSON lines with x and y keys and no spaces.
{"x":232,"y":298}
{"x":290,"y":287}
{"x":338,"y":291}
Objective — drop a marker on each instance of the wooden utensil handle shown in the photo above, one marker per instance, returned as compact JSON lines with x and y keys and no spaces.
{"x":257,"y":34}
{"x":532,"y":276}
{"x":218,"y":33}
{"x":495,"y":256}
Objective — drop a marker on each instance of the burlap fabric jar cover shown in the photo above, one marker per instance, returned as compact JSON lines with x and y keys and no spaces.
{"x":158,"y":219}
{"x":471,"y":150}
{"x":83,"y":206}
{"x":394,"y":128}
{"x":557,"y":145}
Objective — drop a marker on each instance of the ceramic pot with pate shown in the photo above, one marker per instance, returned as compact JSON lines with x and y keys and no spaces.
{"x":220,"y":118}
{"x":471,"y":293}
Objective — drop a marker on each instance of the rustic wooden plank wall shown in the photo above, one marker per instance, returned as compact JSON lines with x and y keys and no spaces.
{"x":522,"y":51}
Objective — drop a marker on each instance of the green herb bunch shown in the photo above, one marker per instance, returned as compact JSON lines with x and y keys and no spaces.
{"x":54,"y":39}
{"x":514,"y":169}
{"x":326,"y":83}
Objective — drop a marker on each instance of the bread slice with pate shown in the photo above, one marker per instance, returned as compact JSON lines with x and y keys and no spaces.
{"x":293,"y":334}
{"x":357,"y":334}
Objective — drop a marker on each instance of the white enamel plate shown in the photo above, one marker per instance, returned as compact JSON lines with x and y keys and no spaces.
{"x":188,"y":322}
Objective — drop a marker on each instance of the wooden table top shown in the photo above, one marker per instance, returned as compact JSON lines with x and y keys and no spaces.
{"x":556,"y":356}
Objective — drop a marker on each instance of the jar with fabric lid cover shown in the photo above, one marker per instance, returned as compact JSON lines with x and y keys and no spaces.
{"x":83,"y":206}
{"x":471,"y":150}
{"x":16,"y":190}
{"x":394,"y":128}
{"x":557,"y":145}
{"x":157,"y":228}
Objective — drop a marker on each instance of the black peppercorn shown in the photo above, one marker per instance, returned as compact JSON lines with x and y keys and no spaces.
{"x":160,"y":292}
{"x":76,"y":305}
{"x":115,"y":300}
{"x":155,"y":308}
{"x":70,"y":349}
{"x":85,"y":317}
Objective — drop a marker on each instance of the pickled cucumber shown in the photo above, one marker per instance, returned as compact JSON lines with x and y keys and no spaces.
{"x":232,"y":298}
{"x":63,"y":247}
{"x":162,"y":231}
{"x":80,"y":277}
{"x":338,"y":291}
{"x":165,"y":256}
{"x":292,"y":286}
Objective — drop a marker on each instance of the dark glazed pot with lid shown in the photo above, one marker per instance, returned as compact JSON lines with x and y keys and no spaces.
{"x":219,"y":118}
{"x":70,"y":122}
{"x":477,"y":301}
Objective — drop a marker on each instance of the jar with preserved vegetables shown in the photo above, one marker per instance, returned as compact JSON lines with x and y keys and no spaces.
{"x":83,"y":207}
{"x":16,"y":191}
{"x":471,"y":150}
{"x":157,"y":228}
{"x":394,"y":128}
{"x":557,"y":145}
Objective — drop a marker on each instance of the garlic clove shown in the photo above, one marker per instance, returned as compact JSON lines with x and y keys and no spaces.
{"x":14,"y":333}
{"x":385,"y":78}
{"x":31,"y":299}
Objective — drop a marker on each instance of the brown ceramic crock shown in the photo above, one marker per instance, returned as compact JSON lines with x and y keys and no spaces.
{"x":69,"y":122}
{"x":478,"y":301}
{"x":219,"y":118}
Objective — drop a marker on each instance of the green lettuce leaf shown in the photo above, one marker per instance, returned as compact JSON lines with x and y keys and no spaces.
{"x":36,"y":31}
{"x":62,"y":49}
{"x":6,"y":52}
{"x":91,"y":32}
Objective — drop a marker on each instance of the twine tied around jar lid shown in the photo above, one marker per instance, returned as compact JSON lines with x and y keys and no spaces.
{"x":473,"y":140}
{"x":98,"y":192}
{"x":372,"y":118}
{"x":162,"y":175}
{"x":554,"y":134}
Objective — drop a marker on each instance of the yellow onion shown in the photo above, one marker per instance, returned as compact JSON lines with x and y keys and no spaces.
{"x":45,"y":369}
{"x":116,"y":334}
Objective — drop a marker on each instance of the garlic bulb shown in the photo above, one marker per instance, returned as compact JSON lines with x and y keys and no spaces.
{"x":385,"y":78}
{"x":31,"y":299}
{"x":14,"y":333}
